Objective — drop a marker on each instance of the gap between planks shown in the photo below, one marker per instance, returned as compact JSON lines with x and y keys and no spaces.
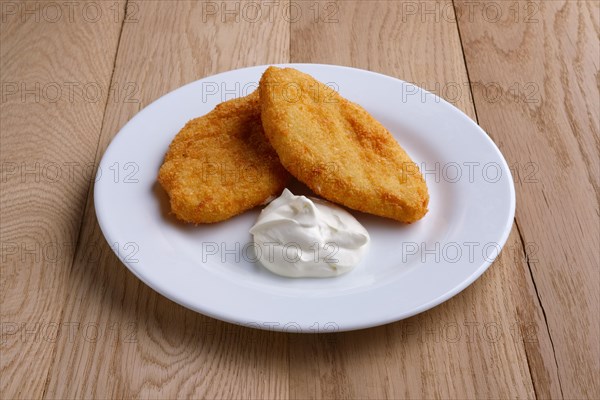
{"x":521,"y":238}
{"x":87,"y":195}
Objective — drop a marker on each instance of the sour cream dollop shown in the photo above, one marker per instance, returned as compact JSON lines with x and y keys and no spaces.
{"x":297,"y":236}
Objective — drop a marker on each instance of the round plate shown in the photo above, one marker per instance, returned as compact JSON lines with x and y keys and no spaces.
{"x":409,"y":268}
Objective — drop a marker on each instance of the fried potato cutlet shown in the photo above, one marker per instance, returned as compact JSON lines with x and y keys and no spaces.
{"x":338,"y":149}
{"x":221,"y":164}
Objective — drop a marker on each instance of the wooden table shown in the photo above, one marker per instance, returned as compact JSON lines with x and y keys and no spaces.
{"x":75,"y":323}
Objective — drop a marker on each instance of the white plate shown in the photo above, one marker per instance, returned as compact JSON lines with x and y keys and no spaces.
{"x":409,"y":268}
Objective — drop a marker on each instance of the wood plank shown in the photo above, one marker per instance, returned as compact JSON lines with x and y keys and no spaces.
{"x":545,"y":113}
{"x":156,"y":348}
{"x":56,"y":64}
{"x":477,"y":344}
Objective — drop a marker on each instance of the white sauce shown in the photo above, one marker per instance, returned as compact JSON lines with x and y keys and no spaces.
{"x":296,"y":236}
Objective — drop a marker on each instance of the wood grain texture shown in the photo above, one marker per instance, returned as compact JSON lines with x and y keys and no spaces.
{"x":55,"y":77}
{"x":545,"y":116}
{"x":76,"y":324}
{"x":155,"y":348}
{"x":448,"y":352}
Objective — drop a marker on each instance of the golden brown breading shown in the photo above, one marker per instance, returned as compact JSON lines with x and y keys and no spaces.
{"x":221,"y":164}
{"x":338,"y":149}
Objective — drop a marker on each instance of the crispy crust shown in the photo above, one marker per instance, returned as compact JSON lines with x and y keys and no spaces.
{"x":338,"y":149}
{"x":221,"y":164}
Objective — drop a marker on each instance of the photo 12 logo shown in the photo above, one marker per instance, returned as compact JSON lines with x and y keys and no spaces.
{"x":489,"y":92}
{"x":471,"y":11}
{"x":16,"y":252}
{"x":465,"y":252}
{"x":70,"y":331}
{"x":50,"y":172}
{"x":295,"y":327}
{"x":251,"y":252}
{"x":290,"y":92}
{"x":474,"y":172}
{"x":70,"y":92}
{"x":469,"y":332}
{"x":53,"y":12}
{"x":270,"y":11}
